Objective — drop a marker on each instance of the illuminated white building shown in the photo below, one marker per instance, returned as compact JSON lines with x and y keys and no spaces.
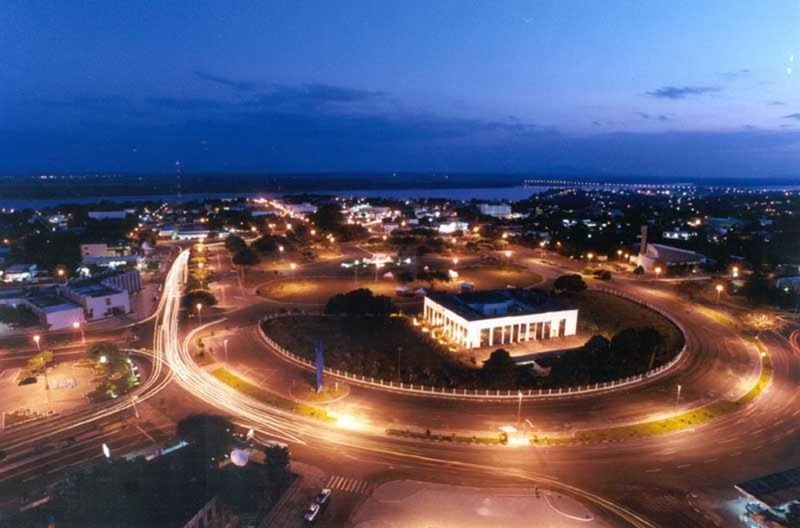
{"x":497,"y":317}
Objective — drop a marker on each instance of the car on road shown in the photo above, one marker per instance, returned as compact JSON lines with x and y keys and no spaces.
{"x":311,"y":512}
{"x":323,"y":496}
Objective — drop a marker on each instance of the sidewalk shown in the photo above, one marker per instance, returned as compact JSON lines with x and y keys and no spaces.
{"x":288,"y":512}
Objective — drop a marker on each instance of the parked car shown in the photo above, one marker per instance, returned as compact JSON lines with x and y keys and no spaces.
{"x":323,"y":496}
{"x":311,"y":512}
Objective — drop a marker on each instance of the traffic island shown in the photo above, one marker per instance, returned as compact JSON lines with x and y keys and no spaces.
{"x":270,"y":398}
{"x":306,"y":393}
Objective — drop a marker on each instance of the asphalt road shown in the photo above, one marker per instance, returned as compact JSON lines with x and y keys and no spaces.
{"x":641,"y":482}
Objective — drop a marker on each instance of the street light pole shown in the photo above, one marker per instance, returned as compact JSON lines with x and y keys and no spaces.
{"x":200,"y":312}
{"x":519,"y":406}
{"x":76,"y":325}
{"x":36,"y":340}
{"x":225,"y":345}
{"x":719,"y":289}
{"x":678,"y":396}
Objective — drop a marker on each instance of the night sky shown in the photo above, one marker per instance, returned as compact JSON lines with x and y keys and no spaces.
{"x":656,"y":88}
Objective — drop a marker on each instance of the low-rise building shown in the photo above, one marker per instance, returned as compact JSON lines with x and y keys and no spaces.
{"x":661,"y":256}
{"x":495,"y":210}
{"x":54,"y":311}
{"x":19,"y":273}
{"x":110,"y":215}
{"x":496,"y":317}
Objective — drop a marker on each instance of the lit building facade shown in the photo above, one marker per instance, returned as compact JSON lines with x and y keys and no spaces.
{"x":497,"y":317}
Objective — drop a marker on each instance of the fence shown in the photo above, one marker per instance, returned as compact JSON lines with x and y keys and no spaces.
{"x":454,"y":393}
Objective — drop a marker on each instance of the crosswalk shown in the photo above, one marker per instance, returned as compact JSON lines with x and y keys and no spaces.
{"x":349,"y":485}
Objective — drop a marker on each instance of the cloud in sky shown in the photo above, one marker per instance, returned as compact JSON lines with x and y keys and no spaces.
{"x":735,"y":75}
{"x":321,"y":127}
{"x":682,"y":92}
{"x":776,"y":103}
{"x":242,"y":86}
{"x":657,"y":117}
{"x":793,"y":116}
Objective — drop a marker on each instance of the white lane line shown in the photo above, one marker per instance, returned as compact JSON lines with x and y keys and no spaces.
{"x":330,"y":482}
{"x":654,"y":470}
{"x":683,"y":466}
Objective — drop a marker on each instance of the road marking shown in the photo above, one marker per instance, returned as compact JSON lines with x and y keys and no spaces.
{"x":683,"y":466}
{"x":654,"y":470}
{"x":145,"y":433}
{"x":710,"y":460}
{"x":348,"y":485}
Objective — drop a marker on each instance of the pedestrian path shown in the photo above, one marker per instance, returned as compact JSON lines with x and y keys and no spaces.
{"x":349,"y":485}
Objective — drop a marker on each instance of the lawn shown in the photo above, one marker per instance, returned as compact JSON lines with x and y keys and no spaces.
{"x":372,"y":346}
{"x":606,"y":314}
{"x":320,"y":289}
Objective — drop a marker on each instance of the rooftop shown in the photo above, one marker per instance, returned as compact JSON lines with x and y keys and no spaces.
{"x":774,"y":489}
{"x":489,"y":304}
{"x":50,"y":302}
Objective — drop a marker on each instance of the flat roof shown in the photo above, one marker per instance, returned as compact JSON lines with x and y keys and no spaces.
{"x":774,"y":489}
{"x":51,"y":303}
{"x":518,"y":302}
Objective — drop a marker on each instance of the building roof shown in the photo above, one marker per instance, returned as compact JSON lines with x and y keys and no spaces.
{"x":491,"y":304}
{"x":774,"y":489}
{"x":672,"y":254}
{"x":51,"y":303}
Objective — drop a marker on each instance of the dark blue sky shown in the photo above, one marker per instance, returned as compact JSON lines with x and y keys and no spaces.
{"x":662,"y":88}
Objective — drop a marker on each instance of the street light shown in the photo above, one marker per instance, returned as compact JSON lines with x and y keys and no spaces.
{"x":199,"y":307}
{"x":719,"y":289}
{"x":619,"y":254}
{"x":292,"y":266}
{"x":225,"y":345}
{"x":77,"y":326}
{"x":658,"y":271}
{"x":36,"y":340}
{"x":455,"y":262}
{"x":678,"y":397}
{"x":519,"y":406}
{"x":735,"y":272}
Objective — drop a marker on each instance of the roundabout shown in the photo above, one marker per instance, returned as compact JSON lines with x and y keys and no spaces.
{"x":630,"y":471}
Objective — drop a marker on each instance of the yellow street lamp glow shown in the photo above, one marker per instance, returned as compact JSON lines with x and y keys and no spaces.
{"x":658,"y":271}
{"x":735,"y":272}
{"x":36,"y":340}
{"x":508,"y":254}
{"x":590,"y":256}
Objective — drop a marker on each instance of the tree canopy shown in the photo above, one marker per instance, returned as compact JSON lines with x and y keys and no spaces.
{"x":211,"y":434}
{"x":359,"y":302}
{"x":192,"y":298}
{"x":572,"y":283}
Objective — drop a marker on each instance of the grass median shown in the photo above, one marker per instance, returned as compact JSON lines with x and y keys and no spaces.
{"x":684,"y":420}
{"x":270,"y":398}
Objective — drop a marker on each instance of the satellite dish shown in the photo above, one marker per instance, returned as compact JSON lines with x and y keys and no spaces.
{"x":240,"y":457}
